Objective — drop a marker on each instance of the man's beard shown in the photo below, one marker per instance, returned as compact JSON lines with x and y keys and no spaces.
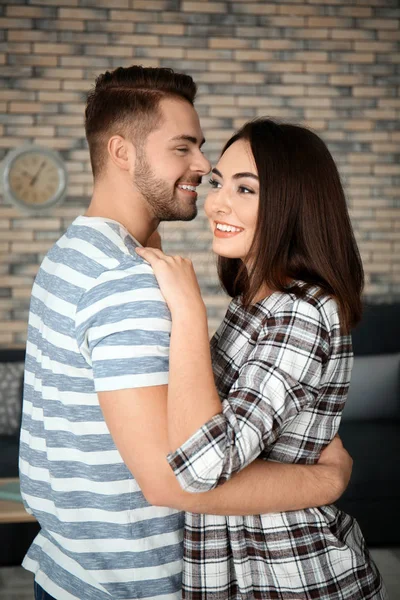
{"x":162,"y":200}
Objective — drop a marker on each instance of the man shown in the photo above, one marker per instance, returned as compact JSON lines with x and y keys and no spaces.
{"x":94,"y":437}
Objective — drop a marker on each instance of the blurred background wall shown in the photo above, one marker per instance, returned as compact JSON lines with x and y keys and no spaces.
{"x":331,"y":64}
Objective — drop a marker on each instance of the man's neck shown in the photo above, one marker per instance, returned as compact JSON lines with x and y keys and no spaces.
{"x":118,"y":206}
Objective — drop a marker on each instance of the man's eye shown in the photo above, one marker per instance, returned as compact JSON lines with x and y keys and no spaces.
{"x":183,"y":150}
{"x":214,"y":183}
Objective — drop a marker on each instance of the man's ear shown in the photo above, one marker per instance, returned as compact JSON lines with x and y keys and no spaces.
{"x":121,"y":152}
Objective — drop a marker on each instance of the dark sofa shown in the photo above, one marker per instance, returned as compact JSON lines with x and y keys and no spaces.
{"x":15,"y":537}
{"x":370,"y":428}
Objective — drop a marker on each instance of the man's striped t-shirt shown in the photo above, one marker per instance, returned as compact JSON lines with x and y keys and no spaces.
{"x":97,"y":322}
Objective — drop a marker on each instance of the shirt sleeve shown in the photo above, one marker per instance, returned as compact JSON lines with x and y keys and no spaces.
{"x":123,"y":329}
{"x":281,"y":376}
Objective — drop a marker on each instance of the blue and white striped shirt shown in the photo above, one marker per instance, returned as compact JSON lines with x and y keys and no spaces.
{"x":97,"y":322}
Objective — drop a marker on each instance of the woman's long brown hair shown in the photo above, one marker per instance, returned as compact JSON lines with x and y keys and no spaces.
{"x":303,"y":229}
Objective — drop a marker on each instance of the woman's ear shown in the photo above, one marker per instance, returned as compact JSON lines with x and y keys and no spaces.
{"x":121,"y":152}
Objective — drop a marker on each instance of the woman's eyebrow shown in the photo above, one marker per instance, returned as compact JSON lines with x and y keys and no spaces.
{"x":245,"y":174}
{"x":237,"y":175}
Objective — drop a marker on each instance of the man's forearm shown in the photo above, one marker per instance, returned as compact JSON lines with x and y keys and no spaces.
{"x":267,"y":487}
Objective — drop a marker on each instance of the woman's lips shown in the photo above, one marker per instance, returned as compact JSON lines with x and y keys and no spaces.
{"x":226,"y":234}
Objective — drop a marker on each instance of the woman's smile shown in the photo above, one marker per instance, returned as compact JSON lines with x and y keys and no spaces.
{"x":232,"y":202}
{"x":225,"y":230}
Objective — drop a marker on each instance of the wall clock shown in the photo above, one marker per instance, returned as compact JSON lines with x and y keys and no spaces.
{"x":34,"y":178}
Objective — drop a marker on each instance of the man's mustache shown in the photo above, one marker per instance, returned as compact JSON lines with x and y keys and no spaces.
{"x":190,"y":181}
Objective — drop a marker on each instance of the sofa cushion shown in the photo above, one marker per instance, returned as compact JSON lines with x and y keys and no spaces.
{"x":15,"y":541}
{"x":373,"y":495}
{"x":379,"y":330}
{"x":11,"y":375}
{"x":9,"y":447}
{"x":374,"y":388}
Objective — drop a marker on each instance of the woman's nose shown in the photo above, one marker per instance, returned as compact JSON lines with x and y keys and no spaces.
{"x":221,"y":202}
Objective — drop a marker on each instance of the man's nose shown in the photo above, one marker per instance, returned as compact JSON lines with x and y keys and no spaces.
{"x":201,"y":165}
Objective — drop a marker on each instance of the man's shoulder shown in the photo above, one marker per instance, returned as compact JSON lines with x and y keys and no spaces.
{"x":98,"y":250}
{"x":129,"y":275}
{"x":130,"y":288}
{"x":98,"y":240}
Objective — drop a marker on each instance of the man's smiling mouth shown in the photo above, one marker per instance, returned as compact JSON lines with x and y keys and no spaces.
{"x":187,"y":187}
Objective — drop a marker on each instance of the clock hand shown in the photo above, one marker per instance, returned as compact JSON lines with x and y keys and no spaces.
{"x":34,"y":178}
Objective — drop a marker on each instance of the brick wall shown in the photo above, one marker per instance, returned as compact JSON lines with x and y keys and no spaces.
{"x":332,"y":64}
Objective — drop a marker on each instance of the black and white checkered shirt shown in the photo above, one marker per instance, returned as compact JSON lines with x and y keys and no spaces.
{"x":282,"y":369}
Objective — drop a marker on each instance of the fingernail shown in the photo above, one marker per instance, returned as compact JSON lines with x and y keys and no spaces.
{"x":138,"y":250}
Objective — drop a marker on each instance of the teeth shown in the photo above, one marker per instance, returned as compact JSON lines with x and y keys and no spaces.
{"x":222,"y":227}
{"x":192,"y":188}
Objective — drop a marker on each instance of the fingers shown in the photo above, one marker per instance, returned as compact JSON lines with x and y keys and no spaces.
{"x":151,"y":252}
{"x":153,"y":256}
{"x":338,"y":440}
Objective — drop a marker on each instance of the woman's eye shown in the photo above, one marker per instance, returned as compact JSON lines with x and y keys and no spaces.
{"x":214,"y":183}
{"x":245,"y":190}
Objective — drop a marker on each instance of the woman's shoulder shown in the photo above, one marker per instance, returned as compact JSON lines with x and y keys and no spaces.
{"x":311,"y":303}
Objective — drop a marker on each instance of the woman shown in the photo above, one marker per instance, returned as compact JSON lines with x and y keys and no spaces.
{"x":282,"y":360}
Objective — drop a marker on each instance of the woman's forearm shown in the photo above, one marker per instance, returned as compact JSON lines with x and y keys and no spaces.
{"x":192,"y":396}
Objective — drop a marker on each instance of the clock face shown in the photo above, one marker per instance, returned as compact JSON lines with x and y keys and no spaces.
{"x":35,"y":178}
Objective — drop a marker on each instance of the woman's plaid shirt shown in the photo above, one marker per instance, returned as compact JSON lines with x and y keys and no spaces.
{"x":282,"y":369}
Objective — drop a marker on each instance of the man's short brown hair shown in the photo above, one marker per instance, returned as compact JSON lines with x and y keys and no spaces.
{"x":126,"y":102}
